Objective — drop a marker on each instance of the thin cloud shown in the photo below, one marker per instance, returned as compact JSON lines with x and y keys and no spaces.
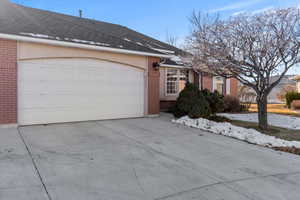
{"x":263,"y":10}
{"x":239,"y":13}
{"x":235,"y":6}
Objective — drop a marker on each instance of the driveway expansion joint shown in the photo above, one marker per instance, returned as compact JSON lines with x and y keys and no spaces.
{"x":223,"y":183}
{"x":34,"y":164}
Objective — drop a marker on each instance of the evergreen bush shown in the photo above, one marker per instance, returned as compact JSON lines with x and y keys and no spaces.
{"x":191,"y":102}
{"x":290,"y":97}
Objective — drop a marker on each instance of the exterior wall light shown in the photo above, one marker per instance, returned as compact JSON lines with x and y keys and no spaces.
{"x":156,"y":66}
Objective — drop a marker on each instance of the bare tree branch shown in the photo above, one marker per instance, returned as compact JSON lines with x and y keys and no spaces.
{"x":171,"y":40}
{"x":250,"y":48}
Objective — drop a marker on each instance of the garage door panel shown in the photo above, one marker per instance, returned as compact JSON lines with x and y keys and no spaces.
{"x":65,"y":90}
{"x":59,"y":102}
{"x":87,"y":89}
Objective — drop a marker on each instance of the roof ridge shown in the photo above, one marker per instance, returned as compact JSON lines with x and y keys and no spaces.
{"x":156,"y":40}
{"x":63,"y":14}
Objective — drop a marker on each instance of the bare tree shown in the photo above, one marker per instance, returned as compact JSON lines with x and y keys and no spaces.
{"x":171,"y":40}
{"x":251,"y":48}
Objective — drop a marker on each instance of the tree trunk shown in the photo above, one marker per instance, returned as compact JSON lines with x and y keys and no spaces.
{"x":262,"y":104}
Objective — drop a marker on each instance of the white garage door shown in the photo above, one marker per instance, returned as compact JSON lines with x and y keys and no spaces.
{"x":68,"y":90}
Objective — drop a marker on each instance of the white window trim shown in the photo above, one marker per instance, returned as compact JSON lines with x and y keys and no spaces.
{"x":166,"y":82}
{"x":215,"y":81}
{"x":228,"y":86}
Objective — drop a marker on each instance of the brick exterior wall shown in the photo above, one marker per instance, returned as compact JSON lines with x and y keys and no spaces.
{"x":8,"y":82}
{"x":207,"y":82}
{"x":166,"y":105}
{"x":153,"y":87}
{"x":233,"y":87}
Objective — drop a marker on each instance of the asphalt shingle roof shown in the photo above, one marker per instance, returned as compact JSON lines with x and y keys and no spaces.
{"x":24,"y":21}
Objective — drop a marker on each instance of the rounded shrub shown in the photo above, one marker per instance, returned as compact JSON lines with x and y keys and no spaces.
{"x":200,"y":109}
{"x":191,"y":102}
{"x":215,"y":100}
{"x":232,"y":104}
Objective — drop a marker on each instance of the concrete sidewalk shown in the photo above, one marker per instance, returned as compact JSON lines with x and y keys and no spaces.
{"x":136,"y":159}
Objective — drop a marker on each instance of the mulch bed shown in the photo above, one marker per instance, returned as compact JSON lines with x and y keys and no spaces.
{"x":288,"y":149}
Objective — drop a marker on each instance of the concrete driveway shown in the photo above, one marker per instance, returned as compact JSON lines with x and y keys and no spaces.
{"x":139,"y":159}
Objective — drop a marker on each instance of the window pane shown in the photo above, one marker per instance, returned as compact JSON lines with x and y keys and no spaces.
{"x":182,"y":79}
{"x":220,"y":87}
{"x":183,"y":75}
{"x":219,"y":84}
{"x":172,"y":81}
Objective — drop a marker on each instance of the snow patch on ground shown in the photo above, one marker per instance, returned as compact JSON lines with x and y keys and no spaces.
{"x":250,"y":135}
{"x":283,"y":121}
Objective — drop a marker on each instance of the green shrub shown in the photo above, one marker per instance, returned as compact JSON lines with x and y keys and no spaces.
{"x":232,"y":104}
{"x":191,"y":102}
{"x":290,"y":97}
{"x":200,"y":109}
{"x":215,"y":100}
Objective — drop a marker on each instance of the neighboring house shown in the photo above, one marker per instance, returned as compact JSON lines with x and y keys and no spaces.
{"x":297,"y":79}
{"x":285,"y":82}
{"x":58,"y":68}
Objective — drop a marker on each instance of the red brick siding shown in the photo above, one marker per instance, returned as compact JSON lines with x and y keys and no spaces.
{"x":153,"y":87}
{"x":207,"y":82}
{"x":8,"y":82}
{"x":166,"y":105}
{"x":233,"y":87}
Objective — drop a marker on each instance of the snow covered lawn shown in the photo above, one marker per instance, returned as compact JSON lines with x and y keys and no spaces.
{"x":283,"y":121}
{"x":250,"y":135}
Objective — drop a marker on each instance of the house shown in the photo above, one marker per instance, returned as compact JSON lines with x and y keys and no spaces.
{"x":172,"y":81}
{"x":58,"y":68}
{"x":297,"y":79}
{"x":277,"y":94}
{"x":285,"y":83}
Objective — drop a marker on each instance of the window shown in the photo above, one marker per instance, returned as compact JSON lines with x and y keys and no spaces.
{"x":175,"y":81}
{"x":218,"y":84}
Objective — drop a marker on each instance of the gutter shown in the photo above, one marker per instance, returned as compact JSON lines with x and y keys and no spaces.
{"x":77,"y":45}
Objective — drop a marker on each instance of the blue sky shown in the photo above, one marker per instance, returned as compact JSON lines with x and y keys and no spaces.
{"x":154,"y":17}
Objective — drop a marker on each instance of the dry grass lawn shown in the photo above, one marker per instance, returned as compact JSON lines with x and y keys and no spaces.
{"x":282,"y":133}
{"x":277,"y":108}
